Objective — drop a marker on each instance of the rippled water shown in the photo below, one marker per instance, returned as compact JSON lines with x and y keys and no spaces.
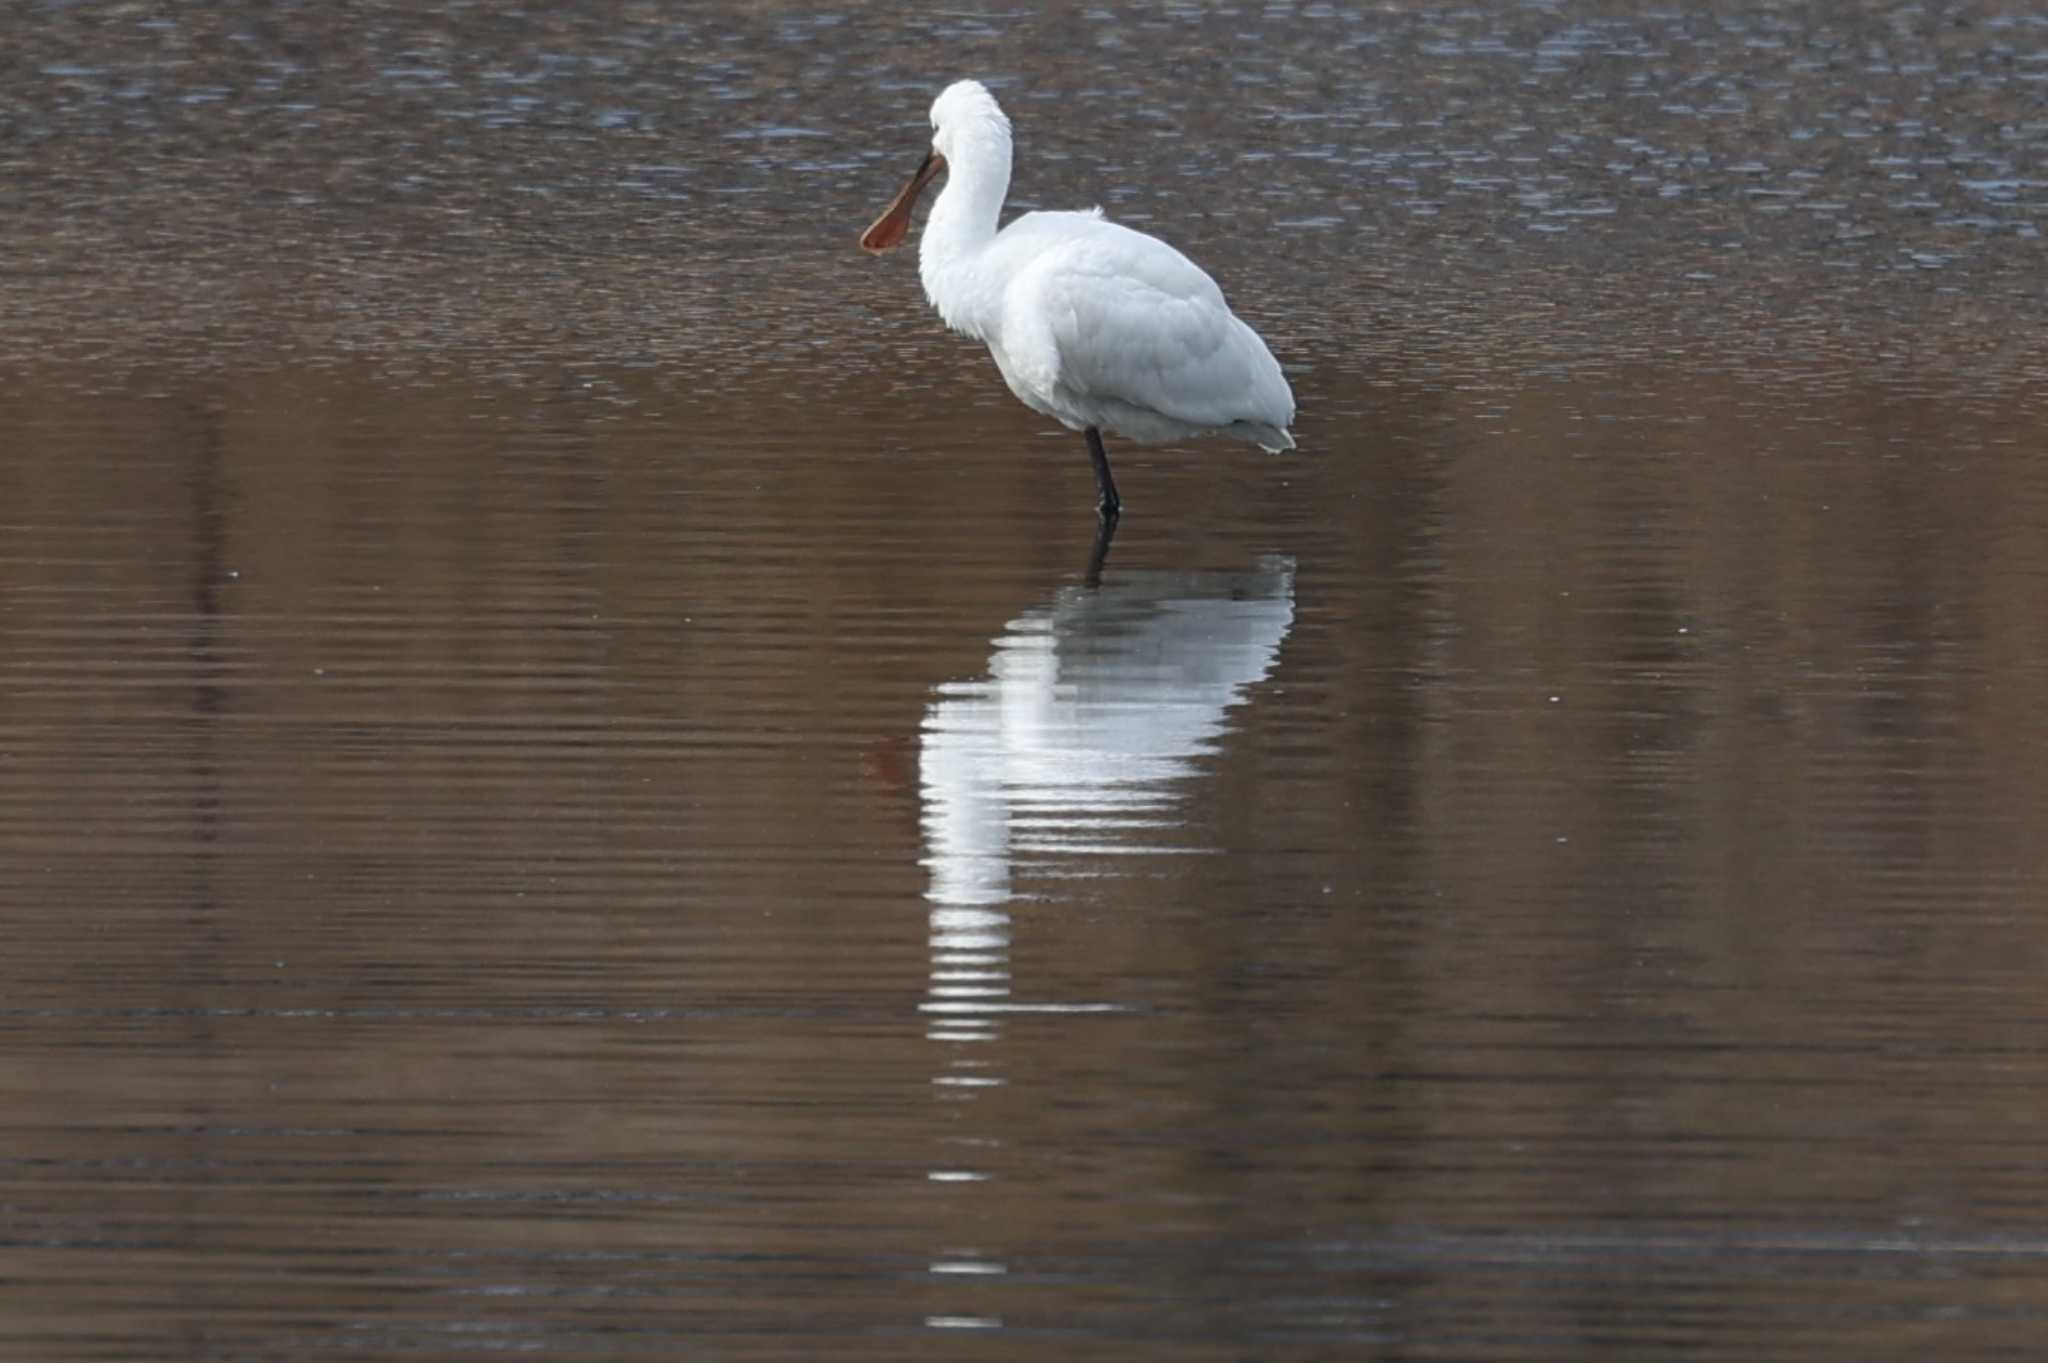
{"x":571,"y":782}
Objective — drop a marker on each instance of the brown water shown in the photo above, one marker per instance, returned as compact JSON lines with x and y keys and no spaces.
{"x":564,"y":789}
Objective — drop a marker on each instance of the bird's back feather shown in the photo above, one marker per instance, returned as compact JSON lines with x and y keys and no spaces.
{"x":1107,"y":326}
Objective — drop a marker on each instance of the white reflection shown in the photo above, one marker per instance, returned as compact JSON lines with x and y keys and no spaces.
{"x":1095,"y":706}
{"x":1094,"y":709}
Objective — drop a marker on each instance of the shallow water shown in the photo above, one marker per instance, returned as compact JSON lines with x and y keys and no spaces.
{"x":566,"y":788}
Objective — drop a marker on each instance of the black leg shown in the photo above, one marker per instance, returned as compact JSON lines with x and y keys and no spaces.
{"x":1105,"y":531}
{"x":1108,"y":506}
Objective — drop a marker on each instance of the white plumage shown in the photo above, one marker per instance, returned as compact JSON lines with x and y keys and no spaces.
{"x":1093,"y":324}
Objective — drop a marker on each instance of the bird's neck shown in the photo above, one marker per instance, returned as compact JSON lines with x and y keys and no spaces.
{"x":958,"y":233}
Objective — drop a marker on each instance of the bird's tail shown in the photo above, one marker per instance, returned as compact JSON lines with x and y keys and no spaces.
{"x":1271,"y":439}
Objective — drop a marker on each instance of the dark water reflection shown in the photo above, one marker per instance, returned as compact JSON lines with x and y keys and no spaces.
{"x":562,"y":789}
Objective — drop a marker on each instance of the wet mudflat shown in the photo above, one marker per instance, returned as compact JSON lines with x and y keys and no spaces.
{"x":563,"y":789}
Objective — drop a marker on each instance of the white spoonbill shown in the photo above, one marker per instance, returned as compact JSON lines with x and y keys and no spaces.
{"x":1095,"y":325}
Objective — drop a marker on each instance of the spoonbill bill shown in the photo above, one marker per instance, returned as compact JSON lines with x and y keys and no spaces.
{"x":1098,"y":327}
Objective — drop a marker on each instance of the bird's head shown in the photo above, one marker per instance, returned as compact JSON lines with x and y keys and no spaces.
{"x":965,"y":111}
{"x":964,"y":116}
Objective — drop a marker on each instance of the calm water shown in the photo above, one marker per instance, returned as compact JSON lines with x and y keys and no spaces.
{"x":566,"y":789}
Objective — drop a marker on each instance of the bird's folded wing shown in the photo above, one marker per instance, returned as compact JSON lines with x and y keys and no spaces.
{"x":1149,"y":329}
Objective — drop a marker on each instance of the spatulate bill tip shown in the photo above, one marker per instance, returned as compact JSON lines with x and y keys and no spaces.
{"x":885,"y":233}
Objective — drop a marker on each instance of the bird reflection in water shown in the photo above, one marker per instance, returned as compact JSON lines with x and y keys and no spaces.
{"x":1095,"y":714}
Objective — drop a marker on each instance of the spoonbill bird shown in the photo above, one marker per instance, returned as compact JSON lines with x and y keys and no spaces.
{"x":1095,"y":325}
